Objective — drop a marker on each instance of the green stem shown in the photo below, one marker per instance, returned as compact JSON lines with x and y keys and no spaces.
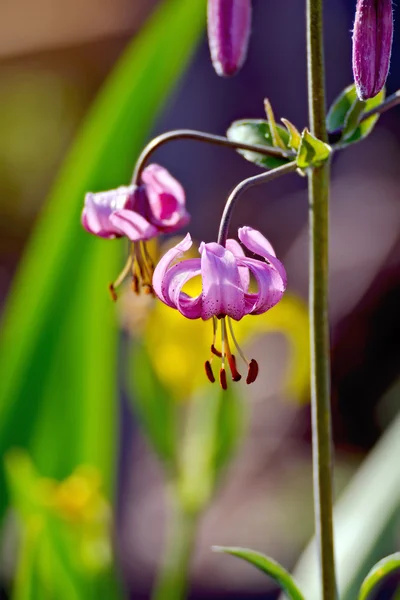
{"x":172,"y":580}
{"x":318,"y":185}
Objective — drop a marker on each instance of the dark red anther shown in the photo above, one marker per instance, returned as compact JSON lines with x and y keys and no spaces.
{"x":113,"y":292}
{"x":209,"y":371}
{"x":222,"y":379}
{"x":215,"y":351}
{"x":135,"y":284}
{"x":252,"y":372}
{"x":236,"y":376}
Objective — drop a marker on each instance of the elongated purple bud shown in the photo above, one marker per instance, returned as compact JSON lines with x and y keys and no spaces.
{"x":229,"y":24}
{"x":372,"y":46}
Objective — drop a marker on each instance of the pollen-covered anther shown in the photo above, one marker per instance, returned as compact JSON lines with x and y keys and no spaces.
{"x":135,"y":284}
{"x":236,"y":376}
{"x":112,"y":291}
{"x":252,"y":373}
{"x":209,"y":371}
{"x":222,"y":379}
{"x":148,"y":289}
{"x":215,"y":351}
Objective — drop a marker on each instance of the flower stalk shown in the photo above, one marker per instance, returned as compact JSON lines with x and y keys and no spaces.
{"x":318,"y":185}
{"x":200,"y":136}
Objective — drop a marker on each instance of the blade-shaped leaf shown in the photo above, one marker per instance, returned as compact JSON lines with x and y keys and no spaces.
{"x":340,"y":115}
{"x":267,"y":565}
{"x":257,"y":131}
{"x":54,"y":357}
{"x":154,"y":404}
{"x":384,"y":567}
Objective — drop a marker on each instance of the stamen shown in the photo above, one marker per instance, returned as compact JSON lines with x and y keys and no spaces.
{"x":238,"y":348}
{"x":149,"y":260}
{"x":124,"y":273}
{"x":113,"y":292}
{"x":135,"y":283}
{"x":215,"y":351}
{"x":236,"y":376}
{"x":209,"y":371}
{"x":222,"y":378}
{"x":252,"y":372}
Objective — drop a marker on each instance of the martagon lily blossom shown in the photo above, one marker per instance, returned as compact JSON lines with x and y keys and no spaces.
{"x":225,"y":275}
{"x":140,"y":213}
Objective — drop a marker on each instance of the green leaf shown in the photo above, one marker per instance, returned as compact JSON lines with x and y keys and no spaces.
{"x":364,"y":516}
{"x":276,"y":138}
{"x":352,"y":118}
{"x":154,"y":404}
{"x":257,"y":131}
{"x":294,"y":135}
{"x":384,"y":567}
{"x":58,"y":337}
{"x":312,"y":152}
{"x":213,"y":428}
{"x":268,"y":566}
{"x":342,"y":115}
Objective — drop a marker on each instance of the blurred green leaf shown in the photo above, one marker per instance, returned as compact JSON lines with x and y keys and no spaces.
{"x":267,"y":565}
{"x":364,"y":519}
{"x":58,"y":339}
{"x":154,"y":404}
{"x":214,"y":425}
{"x":312,"y":152}
{"x":343,"y":111}
{"x":384,"y":567}
{"x":257,"y":131}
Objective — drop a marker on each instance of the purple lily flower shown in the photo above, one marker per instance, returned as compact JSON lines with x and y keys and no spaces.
{"x":225,"y":295}
{"x":372,"y":45}
{"x":229,"y":25}
{"x":139,"y":213}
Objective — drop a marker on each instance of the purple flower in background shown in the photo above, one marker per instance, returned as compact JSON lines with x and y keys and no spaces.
{"x":139,"y":213}
{"x":229,"y":24}
{"x":372,"y":45}
{"x":225,"y":275}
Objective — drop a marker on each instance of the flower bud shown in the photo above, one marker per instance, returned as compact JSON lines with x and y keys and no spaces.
{"x":372,"y":44}
{"x":229,"y":23}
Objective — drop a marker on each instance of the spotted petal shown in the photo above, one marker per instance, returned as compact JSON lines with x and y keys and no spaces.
{"x":222,"y":288}
{"x":237,"y":251}
{"x":174,"y":280}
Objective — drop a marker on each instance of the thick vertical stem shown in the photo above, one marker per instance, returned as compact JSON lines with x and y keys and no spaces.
{"x":318,"y":185}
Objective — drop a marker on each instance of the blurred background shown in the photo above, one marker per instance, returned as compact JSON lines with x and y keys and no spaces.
{"x":54,"y":58}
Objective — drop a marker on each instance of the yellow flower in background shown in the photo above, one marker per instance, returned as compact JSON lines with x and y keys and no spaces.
{"x":73,"y":511}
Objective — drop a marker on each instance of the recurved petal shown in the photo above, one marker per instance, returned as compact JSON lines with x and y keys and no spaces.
{"x":166,"y":198}
{"x":237,"y":250}
{"x":100,"y":206}
{"x":269,"y":283}
{"x":174,"y":280}
{"x":222,"y":291}
{"x":133,"y":225}
{"x":257,"y":243}
{"x":164,"y":264}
